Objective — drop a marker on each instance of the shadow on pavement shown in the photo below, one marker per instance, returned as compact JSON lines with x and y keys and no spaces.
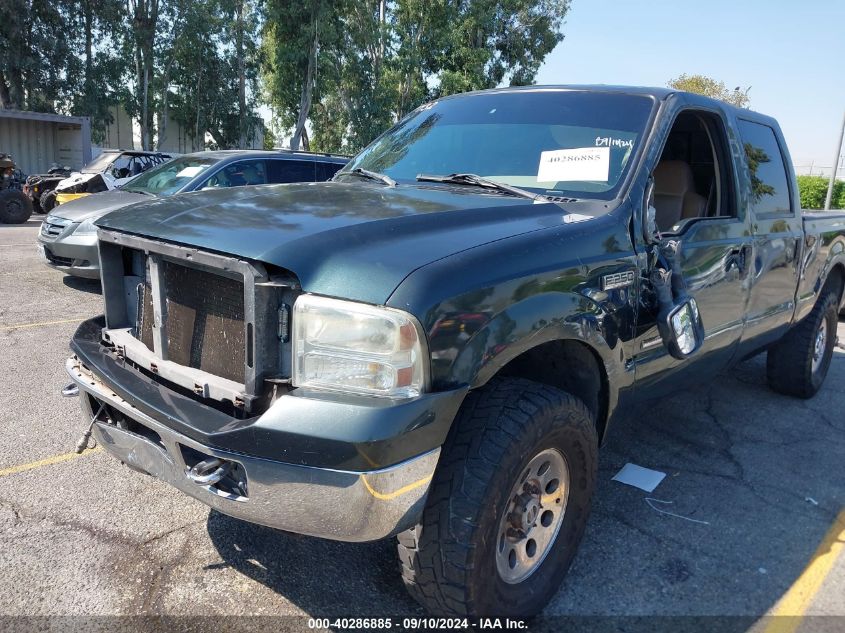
{"x":320,"y":576}
{"x":82,"y":284}
{"x":34,"y":220}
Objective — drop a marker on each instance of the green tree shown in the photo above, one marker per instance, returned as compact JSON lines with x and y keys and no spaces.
{"x":358,"y":67}
{"x":143,"y":21}
{"x":34,"y":49}
{"x":702,"y":85}
{"x":294,"y":34}
{"x":192,"y":61}
{"x":208,"y":71}
{"x":813,"y":191}
{"x":96,"y":79}
{"x":494,"y":41}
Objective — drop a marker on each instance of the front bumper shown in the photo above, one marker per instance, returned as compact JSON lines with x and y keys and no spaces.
{"x":334,"y":504}
{"x":345,"y":469}
{"x":72,"y":254}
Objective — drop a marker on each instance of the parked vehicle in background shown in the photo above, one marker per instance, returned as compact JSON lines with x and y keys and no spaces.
{"x":39,"y":185}
{"x":68,"y":237}
{"x":15,"y":206}
{"x":434,"y":345}
{"x":109,"y":170}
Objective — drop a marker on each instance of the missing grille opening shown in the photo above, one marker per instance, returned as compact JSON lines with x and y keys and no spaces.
{"x":205,"y":321}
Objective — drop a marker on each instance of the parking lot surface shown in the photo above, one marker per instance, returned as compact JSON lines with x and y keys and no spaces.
{"x":749,"y":520}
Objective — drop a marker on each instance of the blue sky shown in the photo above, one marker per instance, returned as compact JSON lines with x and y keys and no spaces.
{"x":792,"y":54}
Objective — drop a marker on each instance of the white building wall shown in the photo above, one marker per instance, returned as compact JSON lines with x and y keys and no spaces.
{"x":119,"y":135}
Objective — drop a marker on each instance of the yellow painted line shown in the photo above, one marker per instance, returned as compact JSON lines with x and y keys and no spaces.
{"x":20,"y":326}
{"x":392,"y":495}
{"x":48,"y":461}
{"x":791,"y":608}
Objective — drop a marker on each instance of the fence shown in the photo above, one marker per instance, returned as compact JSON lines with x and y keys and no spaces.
{"x":819,"y":170}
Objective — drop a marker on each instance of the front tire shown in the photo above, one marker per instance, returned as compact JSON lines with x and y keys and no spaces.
{"x":48,"y":201}
{"x":798,"y":363}
{"x":508,"y":504}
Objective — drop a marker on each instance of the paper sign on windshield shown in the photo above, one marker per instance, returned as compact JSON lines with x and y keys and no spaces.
{"x":583,"y":163}
{"x":190,"y":172}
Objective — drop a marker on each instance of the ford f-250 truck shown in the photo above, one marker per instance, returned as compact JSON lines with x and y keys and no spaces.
{"x":434,"y":345}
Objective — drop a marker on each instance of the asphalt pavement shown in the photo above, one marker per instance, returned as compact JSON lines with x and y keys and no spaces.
{"x":749,"y":521}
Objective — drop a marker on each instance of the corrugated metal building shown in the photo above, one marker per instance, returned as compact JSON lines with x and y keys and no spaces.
{"x":36,"y":140}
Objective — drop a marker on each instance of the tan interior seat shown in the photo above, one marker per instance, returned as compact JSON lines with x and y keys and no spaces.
{"x":675,"y":198}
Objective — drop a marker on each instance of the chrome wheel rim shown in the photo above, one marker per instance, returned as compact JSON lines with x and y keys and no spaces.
{"x":819,"y":346}
{"x":532,"y":517}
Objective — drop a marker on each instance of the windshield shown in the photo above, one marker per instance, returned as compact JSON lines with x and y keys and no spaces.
{"x":549,"y":142}
{"x":99,"y":164}
{"x":169,"y":178}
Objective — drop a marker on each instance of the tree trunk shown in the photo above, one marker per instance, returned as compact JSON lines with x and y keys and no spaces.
{"x":16,"y":92}
{"x":381,"y":18}
{"x":148,"y":115}
{"x":165,"y":107}
{"x":89,"y":57}
{"x":5,"y":99}
{"x":307,"y":93}
{"x":144,"y":15}
{"x":199,"y":110}
{"x":242,"y":140}
{"x":139,"y":81}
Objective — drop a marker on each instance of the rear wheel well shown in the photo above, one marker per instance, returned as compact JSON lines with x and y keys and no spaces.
{"x":835,"y":280}
{"x":570,"y":366}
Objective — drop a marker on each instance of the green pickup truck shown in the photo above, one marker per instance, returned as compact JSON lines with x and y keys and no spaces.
{"x":434,"y":345}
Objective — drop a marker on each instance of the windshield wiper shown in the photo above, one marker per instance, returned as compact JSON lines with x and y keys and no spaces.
{"x":369,"y":175}
{"x":146,"y":193}
{"x":478,"y":181}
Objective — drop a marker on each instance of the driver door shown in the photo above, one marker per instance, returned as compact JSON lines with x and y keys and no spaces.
{"x":696,"y":201}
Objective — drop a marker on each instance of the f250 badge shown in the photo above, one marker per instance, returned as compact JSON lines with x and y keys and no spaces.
{"x":617,"y":280}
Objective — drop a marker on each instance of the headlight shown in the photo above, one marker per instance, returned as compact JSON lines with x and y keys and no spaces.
{"x":357,"y":348}
{"x":86,"y":228}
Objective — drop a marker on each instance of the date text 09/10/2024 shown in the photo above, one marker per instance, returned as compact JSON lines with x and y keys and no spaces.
{"x":417,"y":623}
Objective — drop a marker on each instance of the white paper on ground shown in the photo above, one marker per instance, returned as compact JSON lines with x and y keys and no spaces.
{"x":639,"y":477}
{"x":566,"y":165}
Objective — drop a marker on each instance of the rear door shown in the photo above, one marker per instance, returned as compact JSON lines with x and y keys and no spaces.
{"x":777,"y":230}
{"x":284,"y":170}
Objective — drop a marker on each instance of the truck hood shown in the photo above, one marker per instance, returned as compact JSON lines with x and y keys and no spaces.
{"x":96,"y":205}
{"x":353,"y":240}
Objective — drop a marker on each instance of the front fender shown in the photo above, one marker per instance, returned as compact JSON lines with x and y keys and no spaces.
{"x":526,"y":324}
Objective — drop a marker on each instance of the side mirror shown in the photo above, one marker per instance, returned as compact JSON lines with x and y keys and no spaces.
{"x":681,"y":329}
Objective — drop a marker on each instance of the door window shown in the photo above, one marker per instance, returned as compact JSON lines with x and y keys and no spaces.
{"x":326,"y":170}
{"x":286,"y":170}
{"x":692,"y":180}
{"x":240,"y":174}
{"x":769,"y":184}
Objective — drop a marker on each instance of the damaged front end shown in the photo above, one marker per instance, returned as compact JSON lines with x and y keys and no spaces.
{"x":213,"y":325}
{"x":80,"y":186}
{"x":187,"y":378}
